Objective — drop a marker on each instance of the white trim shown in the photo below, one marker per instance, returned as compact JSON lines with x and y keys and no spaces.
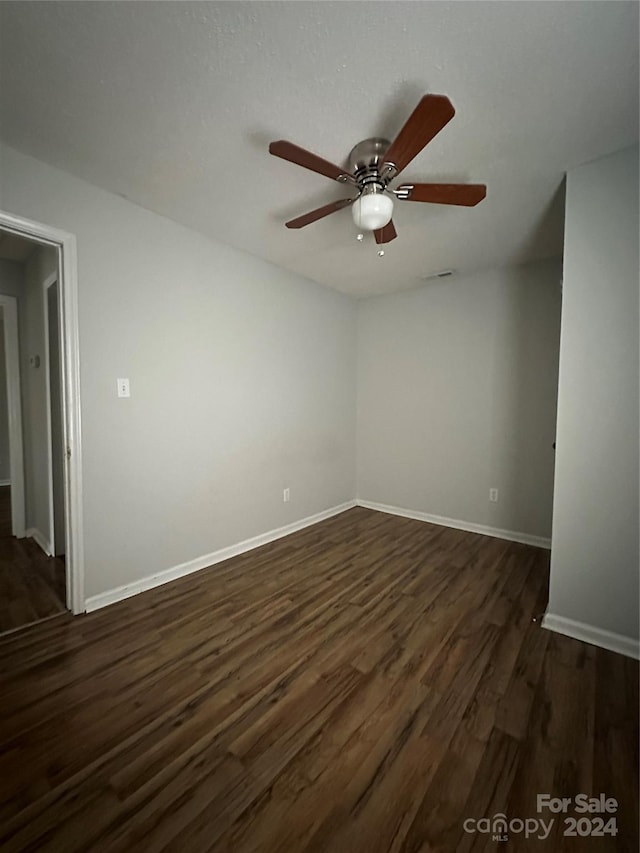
{"x":457,"y":524}
{"x":5,"y":482}
{"x":14,"y":404}
{"x":40,"y":539}
{"x":95,"y":602}
{"x":70,"y":350}
{"x":590,"y":634}
{"x":46,"y":284}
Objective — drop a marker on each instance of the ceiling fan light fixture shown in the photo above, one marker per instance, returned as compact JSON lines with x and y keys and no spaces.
{"x":373,"y":209}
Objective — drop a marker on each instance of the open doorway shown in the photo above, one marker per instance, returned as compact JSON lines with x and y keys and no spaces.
{"x":32,"y":576}
{"x":40,"y":533}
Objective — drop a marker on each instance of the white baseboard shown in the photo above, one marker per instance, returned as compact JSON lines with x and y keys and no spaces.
{"x":590,"y":634}
{"x":457,"y":524}
{"x":127,"y":590}
{"x":40,"y":539}
{"x":5,"y":482}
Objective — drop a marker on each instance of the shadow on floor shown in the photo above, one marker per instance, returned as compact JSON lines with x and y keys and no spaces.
{"x":32,"y":585}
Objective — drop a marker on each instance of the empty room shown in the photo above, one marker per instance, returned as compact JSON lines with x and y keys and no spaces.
{"x":319,"y":426}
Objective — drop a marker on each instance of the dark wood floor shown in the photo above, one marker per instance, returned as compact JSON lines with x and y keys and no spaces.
{"x":364,"y":685}
{"x":32,"y":585}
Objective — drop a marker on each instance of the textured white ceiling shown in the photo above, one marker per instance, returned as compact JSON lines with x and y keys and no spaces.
{"x":173,"y":106}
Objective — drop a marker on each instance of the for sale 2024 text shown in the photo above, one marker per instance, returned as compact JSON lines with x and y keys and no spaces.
{"x":583,"y":804}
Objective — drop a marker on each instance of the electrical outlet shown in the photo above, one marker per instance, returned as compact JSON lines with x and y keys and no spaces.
{"x":286,"y":495}
{"x":493,"y":496}
{"x":123,"y":388}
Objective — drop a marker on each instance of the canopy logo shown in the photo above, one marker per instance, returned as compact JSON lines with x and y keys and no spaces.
{"x":500,"y":826}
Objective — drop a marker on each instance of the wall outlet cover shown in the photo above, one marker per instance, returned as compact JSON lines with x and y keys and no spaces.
{"x":123,"y":388}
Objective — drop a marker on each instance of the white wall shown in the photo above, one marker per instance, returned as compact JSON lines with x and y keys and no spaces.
{"x":11,"y":273}
{"x":457,"y":387}
{"x":11,"y":284}
{"x":594,"y":565}
{"x":242,"y":381}
{"x":5,"y":460}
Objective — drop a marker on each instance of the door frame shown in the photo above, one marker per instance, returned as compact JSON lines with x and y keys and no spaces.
{"x":65,"y":244}
{"x":46,"y":284}
{"x":14,"y":406}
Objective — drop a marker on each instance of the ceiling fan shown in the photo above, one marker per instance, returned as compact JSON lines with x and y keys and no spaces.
{"x":374,"y":163}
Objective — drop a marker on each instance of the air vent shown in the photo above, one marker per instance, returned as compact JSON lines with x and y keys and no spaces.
{"x":441,"y":274}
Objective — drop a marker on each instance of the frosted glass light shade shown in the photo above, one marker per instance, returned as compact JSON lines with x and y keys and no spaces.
{"x":372,"y":211}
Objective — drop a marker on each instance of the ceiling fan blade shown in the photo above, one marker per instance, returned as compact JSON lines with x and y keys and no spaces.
{"x":467,"y":195}
{"x":314,"y":215}
{"x":386,"y":234}
{"x":302,"y":157}
{"x":427,"y":120}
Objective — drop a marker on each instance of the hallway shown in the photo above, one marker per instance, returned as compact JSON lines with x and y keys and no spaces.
{"x":32,"y":585}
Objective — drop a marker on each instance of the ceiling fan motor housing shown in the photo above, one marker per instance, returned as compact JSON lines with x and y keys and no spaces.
{"x":365,"y":161}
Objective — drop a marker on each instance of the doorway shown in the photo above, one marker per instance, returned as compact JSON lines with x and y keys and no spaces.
{"x":32,"y":569}
{"x":48,"y":543}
